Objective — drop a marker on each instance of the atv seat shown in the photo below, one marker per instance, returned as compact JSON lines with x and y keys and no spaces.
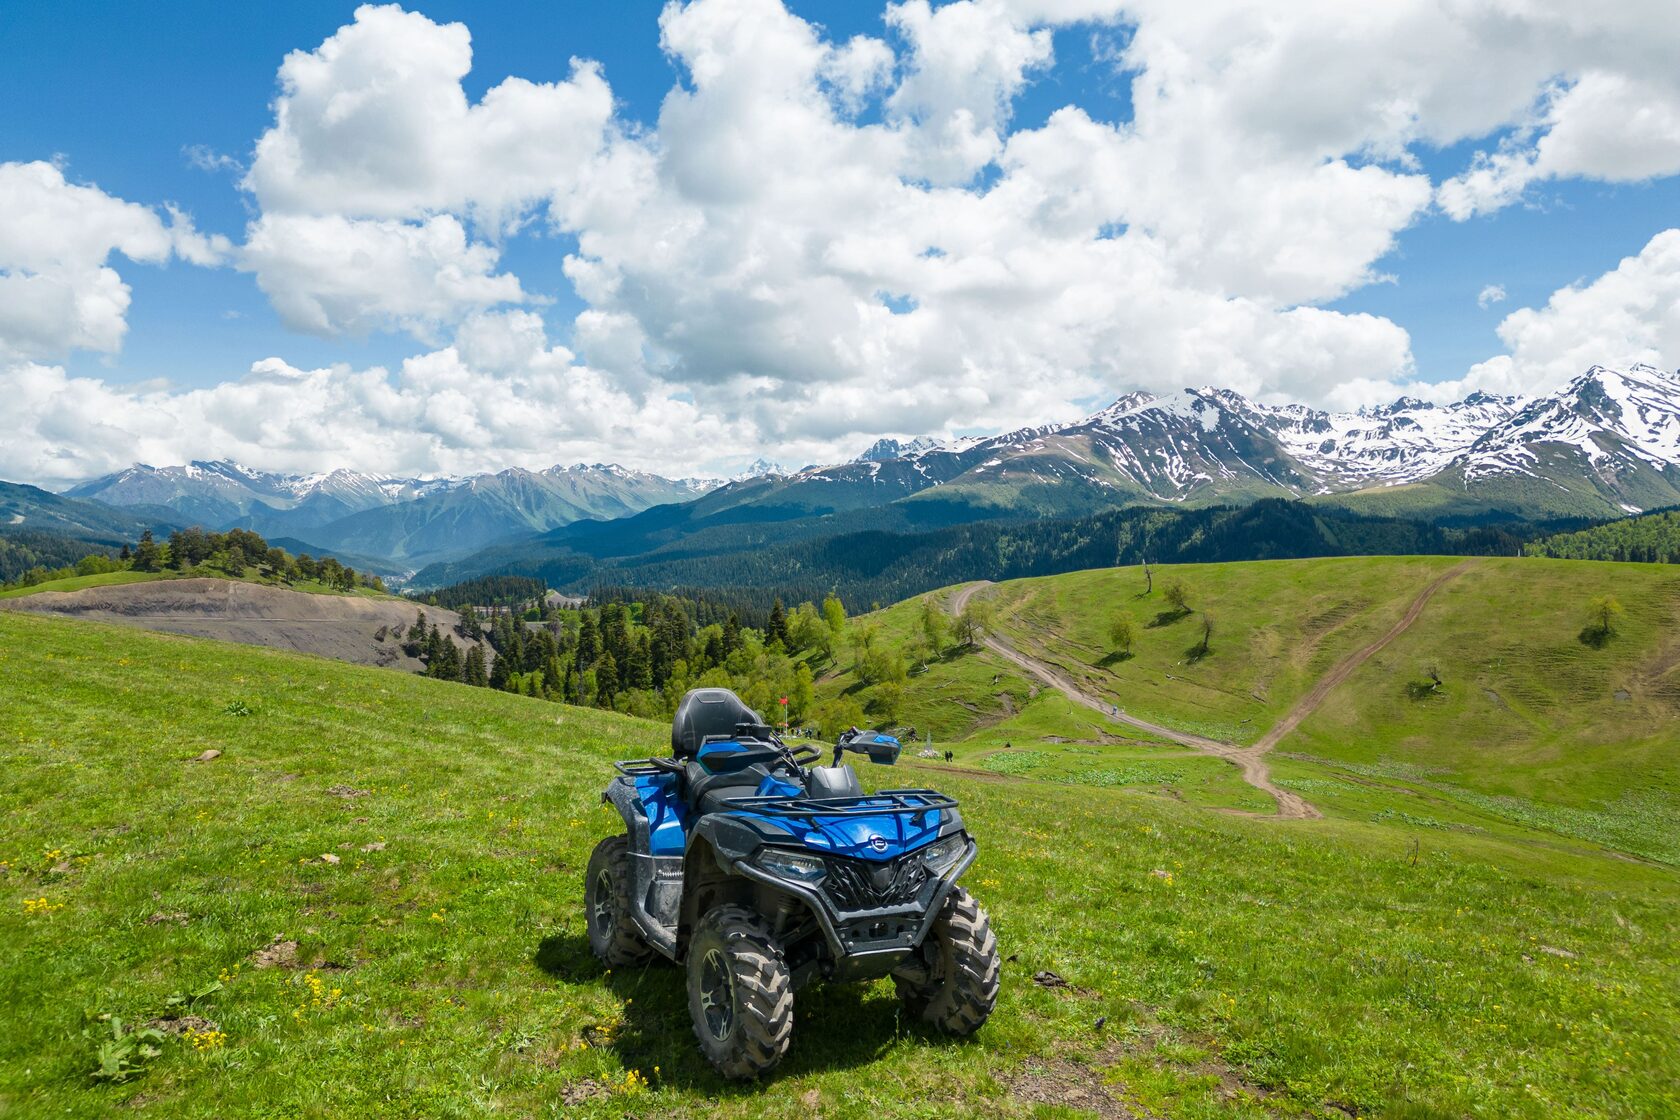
{"x":707,"y":713}
{"x":708,"y":792}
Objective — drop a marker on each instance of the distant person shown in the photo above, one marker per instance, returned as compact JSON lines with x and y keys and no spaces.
{"x":949,"y":756}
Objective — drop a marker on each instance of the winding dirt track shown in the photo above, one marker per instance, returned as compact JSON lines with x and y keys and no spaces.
{"x":1251,"y":761}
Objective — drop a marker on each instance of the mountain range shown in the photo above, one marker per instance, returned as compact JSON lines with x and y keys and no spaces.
{"x":1604,"y":445}
{"x":403,"y":521}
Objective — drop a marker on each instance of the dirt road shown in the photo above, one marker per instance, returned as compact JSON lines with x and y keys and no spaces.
{"x":1250,"y":761}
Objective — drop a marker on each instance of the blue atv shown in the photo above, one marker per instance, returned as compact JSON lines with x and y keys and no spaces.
{"x":759,"y":870}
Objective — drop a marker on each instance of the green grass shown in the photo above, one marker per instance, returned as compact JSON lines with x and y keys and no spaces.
{"x":1532,"y":721}
{"x":251,"y":575}
{"x":1536,"y":726}
{"x":1278,"y":626}
{"x":1360,"y":965}
{"x":76,"y":583}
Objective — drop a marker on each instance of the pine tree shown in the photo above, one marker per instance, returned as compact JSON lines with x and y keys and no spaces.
{"x":501,"y":676}
{"x":638,"y":671}
{"x":450,"y":670}
{"x":777,"y":631}
{"x":147,"y":556}
{"x":731,"y":634}
{"x":473,"y":672}
{"x":606,"y":680}
{"x":589,"y":640}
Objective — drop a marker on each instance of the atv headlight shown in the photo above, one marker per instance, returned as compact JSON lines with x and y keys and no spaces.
{"x":797,"y":866}
{"x":941,"y":854}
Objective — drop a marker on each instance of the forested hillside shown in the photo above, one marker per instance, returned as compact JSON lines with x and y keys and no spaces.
{"x":868,"y":566}
{"x":1652,"y":538}
{"x":21,"y":553}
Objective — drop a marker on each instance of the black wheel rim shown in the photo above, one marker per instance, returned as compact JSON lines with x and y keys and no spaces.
{"x":717,"y":995}
{"x":602,"y":911}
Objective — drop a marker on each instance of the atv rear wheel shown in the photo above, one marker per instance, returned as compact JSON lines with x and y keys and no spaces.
{"x":740,"y":995}
{"x":960,"y":986}
{"x":613,"y":936}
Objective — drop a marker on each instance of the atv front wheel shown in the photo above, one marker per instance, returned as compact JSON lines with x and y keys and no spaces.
{"x":740,"y":995}
{"x":613,"y":937}
{"x":960,"y":986}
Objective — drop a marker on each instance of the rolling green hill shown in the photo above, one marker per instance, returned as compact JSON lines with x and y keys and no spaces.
{"x":1536,"y":723}
{"x":436,"y":963}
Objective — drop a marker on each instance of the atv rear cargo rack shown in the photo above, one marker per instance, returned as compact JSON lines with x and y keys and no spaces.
{"x":869,"y":805}
{"x":643,"y":767}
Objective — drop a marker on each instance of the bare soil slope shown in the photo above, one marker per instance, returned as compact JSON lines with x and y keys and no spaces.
{"x":342,"y":627}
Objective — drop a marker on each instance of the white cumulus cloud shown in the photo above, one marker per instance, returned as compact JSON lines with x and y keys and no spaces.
{"x":58,"y":291}
{"x":1629,"y":314}
{"x":820,"y":239}
{"x":501,"y":396}
{"x":328,"y":274}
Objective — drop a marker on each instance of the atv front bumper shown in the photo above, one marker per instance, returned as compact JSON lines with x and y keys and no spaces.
{"x":867,"y":941}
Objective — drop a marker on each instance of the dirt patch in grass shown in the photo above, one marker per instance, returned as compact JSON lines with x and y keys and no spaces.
{"x":579,"y":1092}
{"x":1067,"y":1085}
{"x":181,"y":1024}
{"x":277,"y":954}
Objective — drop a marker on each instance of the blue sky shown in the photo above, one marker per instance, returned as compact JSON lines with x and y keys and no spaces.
{"x":120,"y":96}
{"x":120,"y":92}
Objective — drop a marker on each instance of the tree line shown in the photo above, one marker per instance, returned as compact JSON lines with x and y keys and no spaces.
{"x":1651,"y":538}
{"x":754,"y":564}
{"x":30,"y":558}
{"x":239,"y":553}
{"x":639,"y":657}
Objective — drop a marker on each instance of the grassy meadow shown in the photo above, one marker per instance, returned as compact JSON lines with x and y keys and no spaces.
{"x":369,"y":904}
{"x":1537,"y":728}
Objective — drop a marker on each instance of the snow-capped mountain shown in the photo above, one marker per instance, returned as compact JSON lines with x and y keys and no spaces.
{"x":1400,"y":442}
{"x":1609,"y":442}
{"x":387,"y":517}
{"x":760,"y":468}
{"x":887,"y":448}
{"x":221,"y":492}
{"x":1610,"y":436}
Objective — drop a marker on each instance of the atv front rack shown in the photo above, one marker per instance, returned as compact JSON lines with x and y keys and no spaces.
{"x":885,"y":803}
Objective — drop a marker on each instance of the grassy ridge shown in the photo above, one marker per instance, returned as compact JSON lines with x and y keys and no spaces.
{"x":1537,"y":723}
{"x":1236,"y":968}
{"x":252,"y":575}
